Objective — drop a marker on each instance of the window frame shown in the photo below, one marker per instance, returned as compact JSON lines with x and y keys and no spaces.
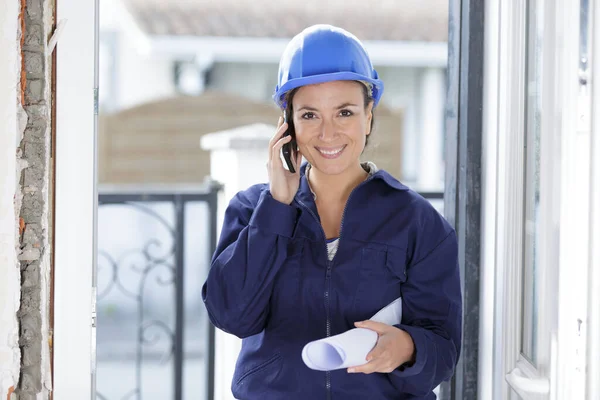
{"x":75,"y":201}
{"x":593,"y":361}
{"x":564,"y":225}
{"x":513,"y":372}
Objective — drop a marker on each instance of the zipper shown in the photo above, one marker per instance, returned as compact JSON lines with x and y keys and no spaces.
{"x":329,"y":267}
{"x":327,"y":287}
{"x":301,"y":203}
{"x":327,"y":283}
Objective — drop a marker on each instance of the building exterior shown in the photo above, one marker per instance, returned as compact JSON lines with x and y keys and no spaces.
{"x":151,"y":50}
{"x":522,"y":190}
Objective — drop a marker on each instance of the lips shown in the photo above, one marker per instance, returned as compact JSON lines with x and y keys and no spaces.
{"x":331,"y":152}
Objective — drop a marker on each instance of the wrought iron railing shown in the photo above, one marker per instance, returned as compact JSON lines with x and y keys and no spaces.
{"x":144,"y":269}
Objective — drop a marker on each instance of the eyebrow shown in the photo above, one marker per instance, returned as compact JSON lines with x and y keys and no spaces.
{"x":344,"y":105}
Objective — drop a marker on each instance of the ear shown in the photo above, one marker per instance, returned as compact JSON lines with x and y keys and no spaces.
{"x":369,"y":112}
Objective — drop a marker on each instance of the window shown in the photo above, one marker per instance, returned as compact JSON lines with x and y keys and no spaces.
{"x":533,"y":92}
{"x":526,"y":205}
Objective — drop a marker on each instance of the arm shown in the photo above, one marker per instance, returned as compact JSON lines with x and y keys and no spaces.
{"x":432,"y":316}
{"x":251,"y":249}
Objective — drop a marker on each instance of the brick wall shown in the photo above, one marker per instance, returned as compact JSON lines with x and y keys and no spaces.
{"x":34,"y":197}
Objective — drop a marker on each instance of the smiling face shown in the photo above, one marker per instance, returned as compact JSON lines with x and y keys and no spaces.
{"x":331,"y":123}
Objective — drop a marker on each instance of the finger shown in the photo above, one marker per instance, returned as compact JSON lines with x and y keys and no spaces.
{"x":367,"y":368}
{"x":281,"y":128}
{"x":371,"y":370}
{"x":376,"y":353}
{"x":279,"y":144}
{"x":378,"y":327}
{"x":278,"y":136}
{"x":275,"y":157}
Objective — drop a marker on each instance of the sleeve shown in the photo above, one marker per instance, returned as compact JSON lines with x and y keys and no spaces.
{"x":432,"y":315}
{"x":251,"y":250}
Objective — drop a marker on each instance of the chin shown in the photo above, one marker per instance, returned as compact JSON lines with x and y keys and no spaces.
{"x":331,"y":168}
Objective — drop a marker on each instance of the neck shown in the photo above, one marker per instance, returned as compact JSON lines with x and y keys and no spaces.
{"x":336,"y":187}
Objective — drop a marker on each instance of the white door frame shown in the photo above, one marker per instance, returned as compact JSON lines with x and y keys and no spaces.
{"x":75,"y":204}
{"x":568,"y":299}
{"x":593,"y":349}
{"x":575,"y":208}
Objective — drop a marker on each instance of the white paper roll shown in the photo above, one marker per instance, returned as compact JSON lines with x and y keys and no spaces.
{"x":349,"y":349}
{"x":340,"y":351}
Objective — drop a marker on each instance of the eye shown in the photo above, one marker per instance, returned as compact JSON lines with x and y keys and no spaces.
{"x":346,"y":113}
{"x":308,"y":115}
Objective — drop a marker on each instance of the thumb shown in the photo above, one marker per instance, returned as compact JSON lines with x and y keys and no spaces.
{"x":378,"y":327}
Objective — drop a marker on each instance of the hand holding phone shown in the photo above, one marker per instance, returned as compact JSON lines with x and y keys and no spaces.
{"x":283,"y":182}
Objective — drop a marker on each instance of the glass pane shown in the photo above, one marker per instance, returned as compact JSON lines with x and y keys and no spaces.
{"x":137,"y":253}
{"x":532,"y":180}
{"x":135,"y":302}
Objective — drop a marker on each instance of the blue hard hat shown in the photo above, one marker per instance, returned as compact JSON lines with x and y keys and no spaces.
{"x":325,"y":53}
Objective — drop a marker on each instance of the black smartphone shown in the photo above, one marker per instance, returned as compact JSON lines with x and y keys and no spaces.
{"x":289,"y":150}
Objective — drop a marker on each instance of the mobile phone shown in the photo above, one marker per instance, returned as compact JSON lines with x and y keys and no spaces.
{"x":289,"y":150}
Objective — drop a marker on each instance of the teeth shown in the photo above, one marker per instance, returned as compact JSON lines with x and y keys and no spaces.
{"x":331,"y":152}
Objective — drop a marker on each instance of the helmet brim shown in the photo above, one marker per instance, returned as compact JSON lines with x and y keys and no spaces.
{"x":279,"y":96}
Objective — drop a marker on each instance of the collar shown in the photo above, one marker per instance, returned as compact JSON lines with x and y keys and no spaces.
{"x":305,"y":196}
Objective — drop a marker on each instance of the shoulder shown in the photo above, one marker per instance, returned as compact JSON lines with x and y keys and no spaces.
{"x":428,"y":222}
{"x":246,"y":200}
{"x":425,"y":219}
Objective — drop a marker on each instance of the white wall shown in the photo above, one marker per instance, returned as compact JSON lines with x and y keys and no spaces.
{"x":401,"y":91}
{"x":9,"y":137}
{"x":140,"y":75}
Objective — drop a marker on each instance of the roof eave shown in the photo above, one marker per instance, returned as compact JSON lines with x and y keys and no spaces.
{"x":269,"y":50}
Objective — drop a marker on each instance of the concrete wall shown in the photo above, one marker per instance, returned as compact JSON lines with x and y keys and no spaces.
{"x":9,"y":139}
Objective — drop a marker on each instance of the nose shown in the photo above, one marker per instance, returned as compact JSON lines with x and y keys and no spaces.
{"x":328,"y":131}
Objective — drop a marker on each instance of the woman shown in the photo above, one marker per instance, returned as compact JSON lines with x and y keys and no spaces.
{"x":318,"y":252}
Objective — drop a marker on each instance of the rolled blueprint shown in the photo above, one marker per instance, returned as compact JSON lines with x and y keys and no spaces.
{"x":350,"y":348}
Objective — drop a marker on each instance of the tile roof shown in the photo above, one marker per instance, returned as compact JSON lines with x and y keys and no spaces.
{"x":407,"y":20}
